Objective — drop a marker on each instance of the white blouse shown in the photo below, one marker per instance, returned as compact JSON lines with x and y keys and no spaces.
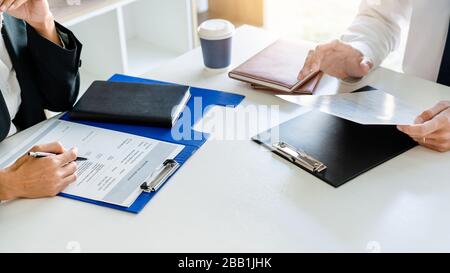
{"x":9,"y":85}
{"x":376,"y":32}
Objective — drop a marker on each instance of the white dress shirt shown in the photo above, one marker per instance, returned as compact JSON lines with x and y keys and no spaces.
{"x":9,"y":85}
{"x":376,"y":32}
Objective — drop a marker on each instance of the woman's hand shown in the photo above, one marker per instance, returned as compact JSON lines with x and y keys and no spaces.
{"x":336,"y":59}
{"x":36,"y":13}
{"x":432,"y":128}
{"x":39,"y":177}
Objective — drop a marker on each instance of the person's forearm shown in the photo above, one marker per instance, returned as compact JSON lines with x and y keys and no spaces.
{"x":47,"y":29}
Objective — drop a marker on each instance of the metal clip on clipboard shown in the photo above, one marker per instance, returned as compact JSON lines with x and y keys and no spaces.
{"x":161,"y":175}
{"x":298,"y":157}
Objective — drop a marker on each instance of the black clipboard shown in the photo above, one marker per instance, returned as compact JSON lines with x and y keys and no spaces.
{"x":334,"y":149}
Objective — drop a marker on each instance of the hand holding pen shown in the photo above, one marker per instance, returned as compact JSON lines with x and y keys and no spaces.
{"x":47,"y":176}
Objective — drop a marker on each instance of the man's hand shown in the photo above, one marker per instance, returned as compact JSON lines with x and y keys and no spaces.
{"x":39,"y":177}
{"x":36,"y":13}
{"x":336,"y":59}
{"x":432,"y":128}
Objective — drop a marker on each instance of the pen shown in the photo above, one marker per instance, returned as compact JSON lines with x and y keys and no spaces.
{"x":43,"y":154}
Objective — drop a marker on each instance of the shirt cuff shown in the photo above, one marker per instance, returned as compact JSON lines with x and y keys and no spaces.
{"x":366,"y":51}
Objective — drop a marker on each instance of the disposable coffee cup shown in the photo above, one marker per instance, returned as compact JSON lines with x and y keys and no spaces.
{"x":216,"y":37}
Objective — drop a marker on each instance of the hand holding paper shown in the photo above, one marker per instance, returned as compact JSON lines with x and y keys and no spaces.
{"x":432,"y":128}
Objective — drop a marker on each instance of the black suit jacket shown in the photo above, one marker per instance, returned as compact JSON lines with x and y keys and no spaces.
{"x":47,"y":73}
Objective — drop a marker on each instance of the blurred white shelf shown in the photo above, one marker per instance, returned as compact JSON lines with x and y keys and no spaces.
{"x":69,"y":13}
{"x":143,"y":56}
{"x":126,"y":36}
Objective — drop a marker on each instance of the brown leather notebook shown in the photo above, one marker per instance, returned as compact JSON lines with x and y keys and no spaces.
{"x":307,"y":88}
{"x":277,"y":67}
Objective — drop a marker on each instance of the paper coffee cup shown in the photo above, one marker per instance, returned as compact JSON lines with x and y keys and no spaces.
{"x":216,"y":37}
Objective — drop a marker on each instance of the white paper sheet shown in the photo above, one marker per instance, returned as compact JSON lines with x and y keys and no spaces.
{"x":118,"y":163}
{"x":368,"y":108}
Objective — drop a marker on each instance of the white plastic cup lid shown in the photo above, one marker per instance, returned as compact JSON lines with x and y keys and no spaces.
{"x":216,"y":29}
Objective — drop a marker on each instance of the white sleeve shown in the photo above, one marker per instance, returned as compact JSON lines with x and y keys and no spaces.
{"x":376,"y":30}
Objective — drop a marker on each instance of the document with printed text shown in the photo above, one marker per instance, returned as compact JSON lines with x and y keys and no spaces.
{"x":368,"y":108}
{"x":118,"y":163}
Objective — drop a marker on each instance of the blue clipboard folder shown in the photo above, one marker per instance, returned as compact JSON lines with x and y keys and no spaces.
{"x":206,"y":96}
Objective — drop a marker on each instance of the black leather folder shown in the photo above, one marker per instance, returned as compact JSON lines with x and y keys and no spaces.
{"x":334,"y":149}
{"x":132,"y":103}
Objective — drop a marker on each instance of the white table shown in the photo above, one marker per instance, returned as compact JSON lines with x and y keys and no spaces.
{"x":234,"y":196}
